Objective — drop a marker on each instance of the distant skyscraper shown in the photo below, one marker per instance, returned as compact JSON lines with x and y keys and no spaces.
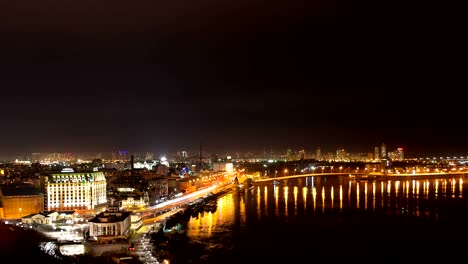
{"x":340,"y":155}
{"x":113,"y":156}
{"x":383,"y":151}
{"x":302,"y":154}
{"x":400,"y":154}
{"x":289,"y":154}
{"x":182,"y":155}
{"x":148,"y":156}
{"x":318,"y":154}
{"x":123,"y":155}
{"x":376,"y":153}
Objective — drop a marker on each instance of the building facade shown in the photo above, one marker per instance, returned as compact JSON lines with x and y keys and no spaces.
{"x":17,"y":202}
{"x":83,"y":192}
{"x":110,"y":224}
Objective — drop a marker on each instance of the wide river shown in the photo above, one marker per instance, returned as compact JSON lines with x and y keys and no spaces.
{"x":331,"y":218}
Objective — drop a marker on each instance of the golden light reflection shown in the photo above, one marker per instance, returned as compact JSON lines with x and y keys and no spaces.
{"x":295,"y":190}
{"x":365,"y":195}
{"x":454,"y":183}
{"x":418,"y":186}
{"x":332,"y":197}
{"x":341,"y":196}
{"x":242,"y":212}
{"x":461,"y":187}
{"x":357,"y":195}
{"x":373,"y":194}
{"x":314,"y":197}
{"x":265,"y":200}
{"x":407,"y":189}
{"x":323,"y":199}
{"x":276,"y":193}
{"x":426,"y":188}
{"x":195,"y":225}
{"x":444,"y":186}
{"x":286,"y":192}
{"x":349,"y":193}
{"x":405,"y":198}
{"x":382,"y":188}
{"x":259,"y":205}
{"x":304,"y":195}
{"x":210,"y":223}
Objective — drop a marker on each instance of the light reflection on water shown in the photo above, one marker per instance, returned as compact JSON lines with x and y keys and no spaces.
{"x":312,"y":207}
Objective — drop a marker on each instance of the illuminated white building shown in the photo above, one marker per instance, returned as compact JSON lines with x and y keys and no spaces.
{"x":223,"y":166}
{"x":80,"y":191}
{"x":147,"y":164}
{"x":110,"y":224}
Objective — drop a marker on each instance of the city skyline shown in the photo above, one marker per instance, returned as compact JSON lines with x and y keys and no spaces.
{"x":340,"y":154}
{"x":153,"y":76}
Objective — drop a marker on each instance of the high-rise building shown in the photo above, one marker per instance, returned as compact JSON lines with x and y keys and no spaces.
{"x":376,"y":153}
{"x":341,"y":155}
{"x":123,"y":155}
{"x":383,"y":151}
{"x":148,"y":156}
{"x":400,"y":154}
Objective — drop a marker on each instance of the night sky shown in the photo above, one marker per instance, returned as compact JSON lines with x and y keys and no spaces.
{"x":235,"y":75}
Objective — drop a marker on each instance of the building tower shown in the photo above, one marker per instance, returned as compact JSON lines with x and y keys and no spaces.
{"x":376,"y":153}
{"x":383,"y":151}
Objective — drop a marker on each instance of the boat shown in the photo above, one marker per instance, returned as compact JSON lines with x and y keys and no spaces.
{"x":276,"y":182}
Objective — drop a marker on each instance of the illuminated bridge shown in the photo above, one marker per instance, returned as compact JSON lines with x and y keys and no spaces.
{"x":363,"y":175}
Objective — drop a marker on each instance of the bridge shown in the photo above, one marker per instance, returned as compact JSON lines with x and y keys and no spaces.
{"x":361,"y":175}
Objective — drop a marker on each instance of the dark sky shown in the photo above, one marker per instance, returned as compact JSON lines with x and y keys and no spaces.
{"x":151,"y":75}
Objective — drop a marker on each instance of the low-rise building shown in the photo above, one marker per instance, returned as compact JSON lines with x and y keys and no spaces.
{"x":19,"y":201}
{"x":110,"y":224}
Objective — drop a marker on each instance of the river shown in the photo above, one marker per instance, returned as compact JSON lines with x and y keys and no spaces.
{"x":329,"y":217}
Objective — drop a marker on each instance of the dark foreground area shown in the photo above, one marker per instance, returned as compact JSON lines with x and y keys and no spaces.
{"x":22,"y":246}
{"x":18,"y":244}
